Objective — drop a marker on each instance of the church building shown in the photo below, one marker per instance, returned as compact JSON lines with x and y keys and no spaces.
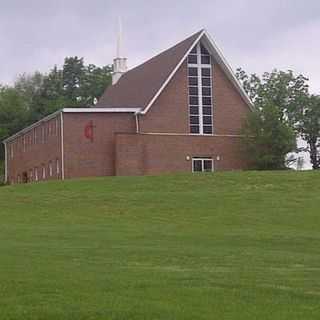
{"x":180,"y":111}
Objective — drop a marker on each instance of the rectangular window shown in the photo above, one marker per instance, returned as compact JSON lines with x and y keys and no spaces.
{"x":202,"y":164}
{"x":206,"y":82}
{"x":192,"y":59}
{"x":207,"y":110}
{"x":193,"y":72}
{"x":200,"y":91}
{"x":57,"y":167}
{"x":206,"y":91}
{"x":193,"y":91}
{"x":43,"y":172}
{"x":50,"y":169}
{"x":193,"y":81}
{"x":194,"y":100}
{"x":194,"y":120}
{"x":205,"y":59}
{"x":205,"y":72}
{"x":194,"y":110}
{"x":194,"y":129}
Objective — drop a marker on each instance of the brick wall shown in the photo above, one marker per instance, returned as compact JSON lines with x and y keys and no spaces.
{"x":86,"y":158}
{"x":138,"y":154}
{"x":36,"y":153}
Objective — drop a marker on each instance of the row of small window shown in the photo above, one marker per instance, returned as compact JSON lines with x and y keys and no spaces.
{"x":37,"y":135}
{"x":193,"y":72}
{"x":206,"y":120}
{"x":194,"y":101}
{"x":205,"y":91}
{"x":204,"y":59}
{"x":206,"y":129}
{"x":194,"y":110}
{"x":205,"y":82}
{"x":41,"y":173}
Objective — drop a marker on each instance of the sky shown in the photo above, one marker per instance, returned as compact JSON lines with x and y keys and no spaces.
{"x":255,"y":35}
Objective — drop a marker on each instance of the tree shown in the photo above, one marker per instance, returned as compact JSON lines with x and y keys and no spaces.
{"x":269,"y":131}
{"x":280,"y":88}
{"x":308,"y":127}
{"x":267,"y":139}
{"x":14,"y":113}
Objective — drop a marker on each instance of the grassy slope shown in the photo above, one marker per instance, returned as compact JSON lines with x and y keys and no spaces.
{"x":223,"y":246}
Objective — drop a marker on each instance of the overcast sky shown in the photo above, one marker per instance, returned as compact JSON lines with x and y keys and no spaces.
{"x":256,"y":35}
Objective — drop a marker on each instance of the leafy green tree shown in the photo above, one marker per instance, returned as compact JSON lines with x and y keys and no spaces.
{"x":14,"y":113}
{"x":267,"y":139}
{"x":280,"y":88}
{"x":73,"y":76}
{"x":308,"y":127}
{"x":269,"y":131}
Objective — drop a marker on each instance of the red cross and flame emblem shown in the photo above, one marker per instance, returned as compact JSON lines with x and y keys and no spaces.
{"x":88,"y":131}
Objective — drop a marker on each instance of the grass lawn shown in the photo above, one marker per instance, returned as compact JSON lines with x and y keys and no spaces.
{"x":213,"y":246}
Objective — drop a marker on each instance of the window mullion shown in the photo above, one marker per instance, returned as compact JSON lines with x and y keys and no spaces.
{"x":199,"y":89}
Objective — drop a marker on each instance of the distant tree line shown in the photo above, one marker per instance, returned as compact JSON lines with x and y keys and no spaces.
{"x":284,"y":110}
{"x":34,"y":96}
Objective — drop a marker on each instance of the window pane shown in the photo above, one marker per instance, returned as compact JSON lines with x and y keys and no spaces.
{"x":207,"y":110}
{"x":207,"y":165}
{"x":206,"y":82}
{"x":193,"y":91}
{"x":193,"y":72}
{"x":194,"y":110}
{"x":206,"y":72}
{"x":197,"y":166}
{"x":194,"y":129}
{"x":207,"y":120}
{"x":194,"y":120}
{"x":205,"y":59}
{"x":193,"y":101}
{"x":192,"y":58}
{"x":203,"y":49}
{"x":194,"y":50}
{"x":207,"y":129}
{"x":206,"y":101}
{"x":206,"y":91}
{"x":193,"y":81}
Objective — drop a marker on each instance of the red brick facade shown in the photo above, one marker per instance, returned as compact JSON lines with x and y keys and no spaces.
{"x":151,"y":154}
{"x":36,"y":155}
{"x":86,"y":158}
{"x":123,"y":143}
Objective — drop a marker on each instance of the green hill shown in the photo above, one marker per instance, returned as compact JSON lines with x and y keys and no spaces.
{"x":213,"y":246}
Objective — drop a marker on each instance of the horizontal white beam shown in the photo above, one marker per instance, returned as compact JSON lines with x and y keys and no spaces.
{"x":102,"y":110}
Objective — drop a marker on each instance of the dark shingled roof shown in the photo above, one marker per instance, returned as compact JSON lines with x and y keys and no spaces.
{"x":139,"y":85}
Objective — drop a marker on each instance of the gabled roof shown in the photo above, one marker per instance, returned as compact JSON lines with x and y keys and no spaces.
{"x":138,"y":86}
{"x":141,"y":86}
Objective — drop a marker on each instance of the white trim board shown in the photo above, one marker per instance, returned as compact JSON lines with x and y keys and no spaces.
{"x":100,"y":110}
{"x":218,"y":57}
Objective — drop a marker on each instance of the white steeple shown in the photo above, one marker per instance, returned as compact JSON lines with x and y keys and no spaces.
{"x":119,"y":63}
